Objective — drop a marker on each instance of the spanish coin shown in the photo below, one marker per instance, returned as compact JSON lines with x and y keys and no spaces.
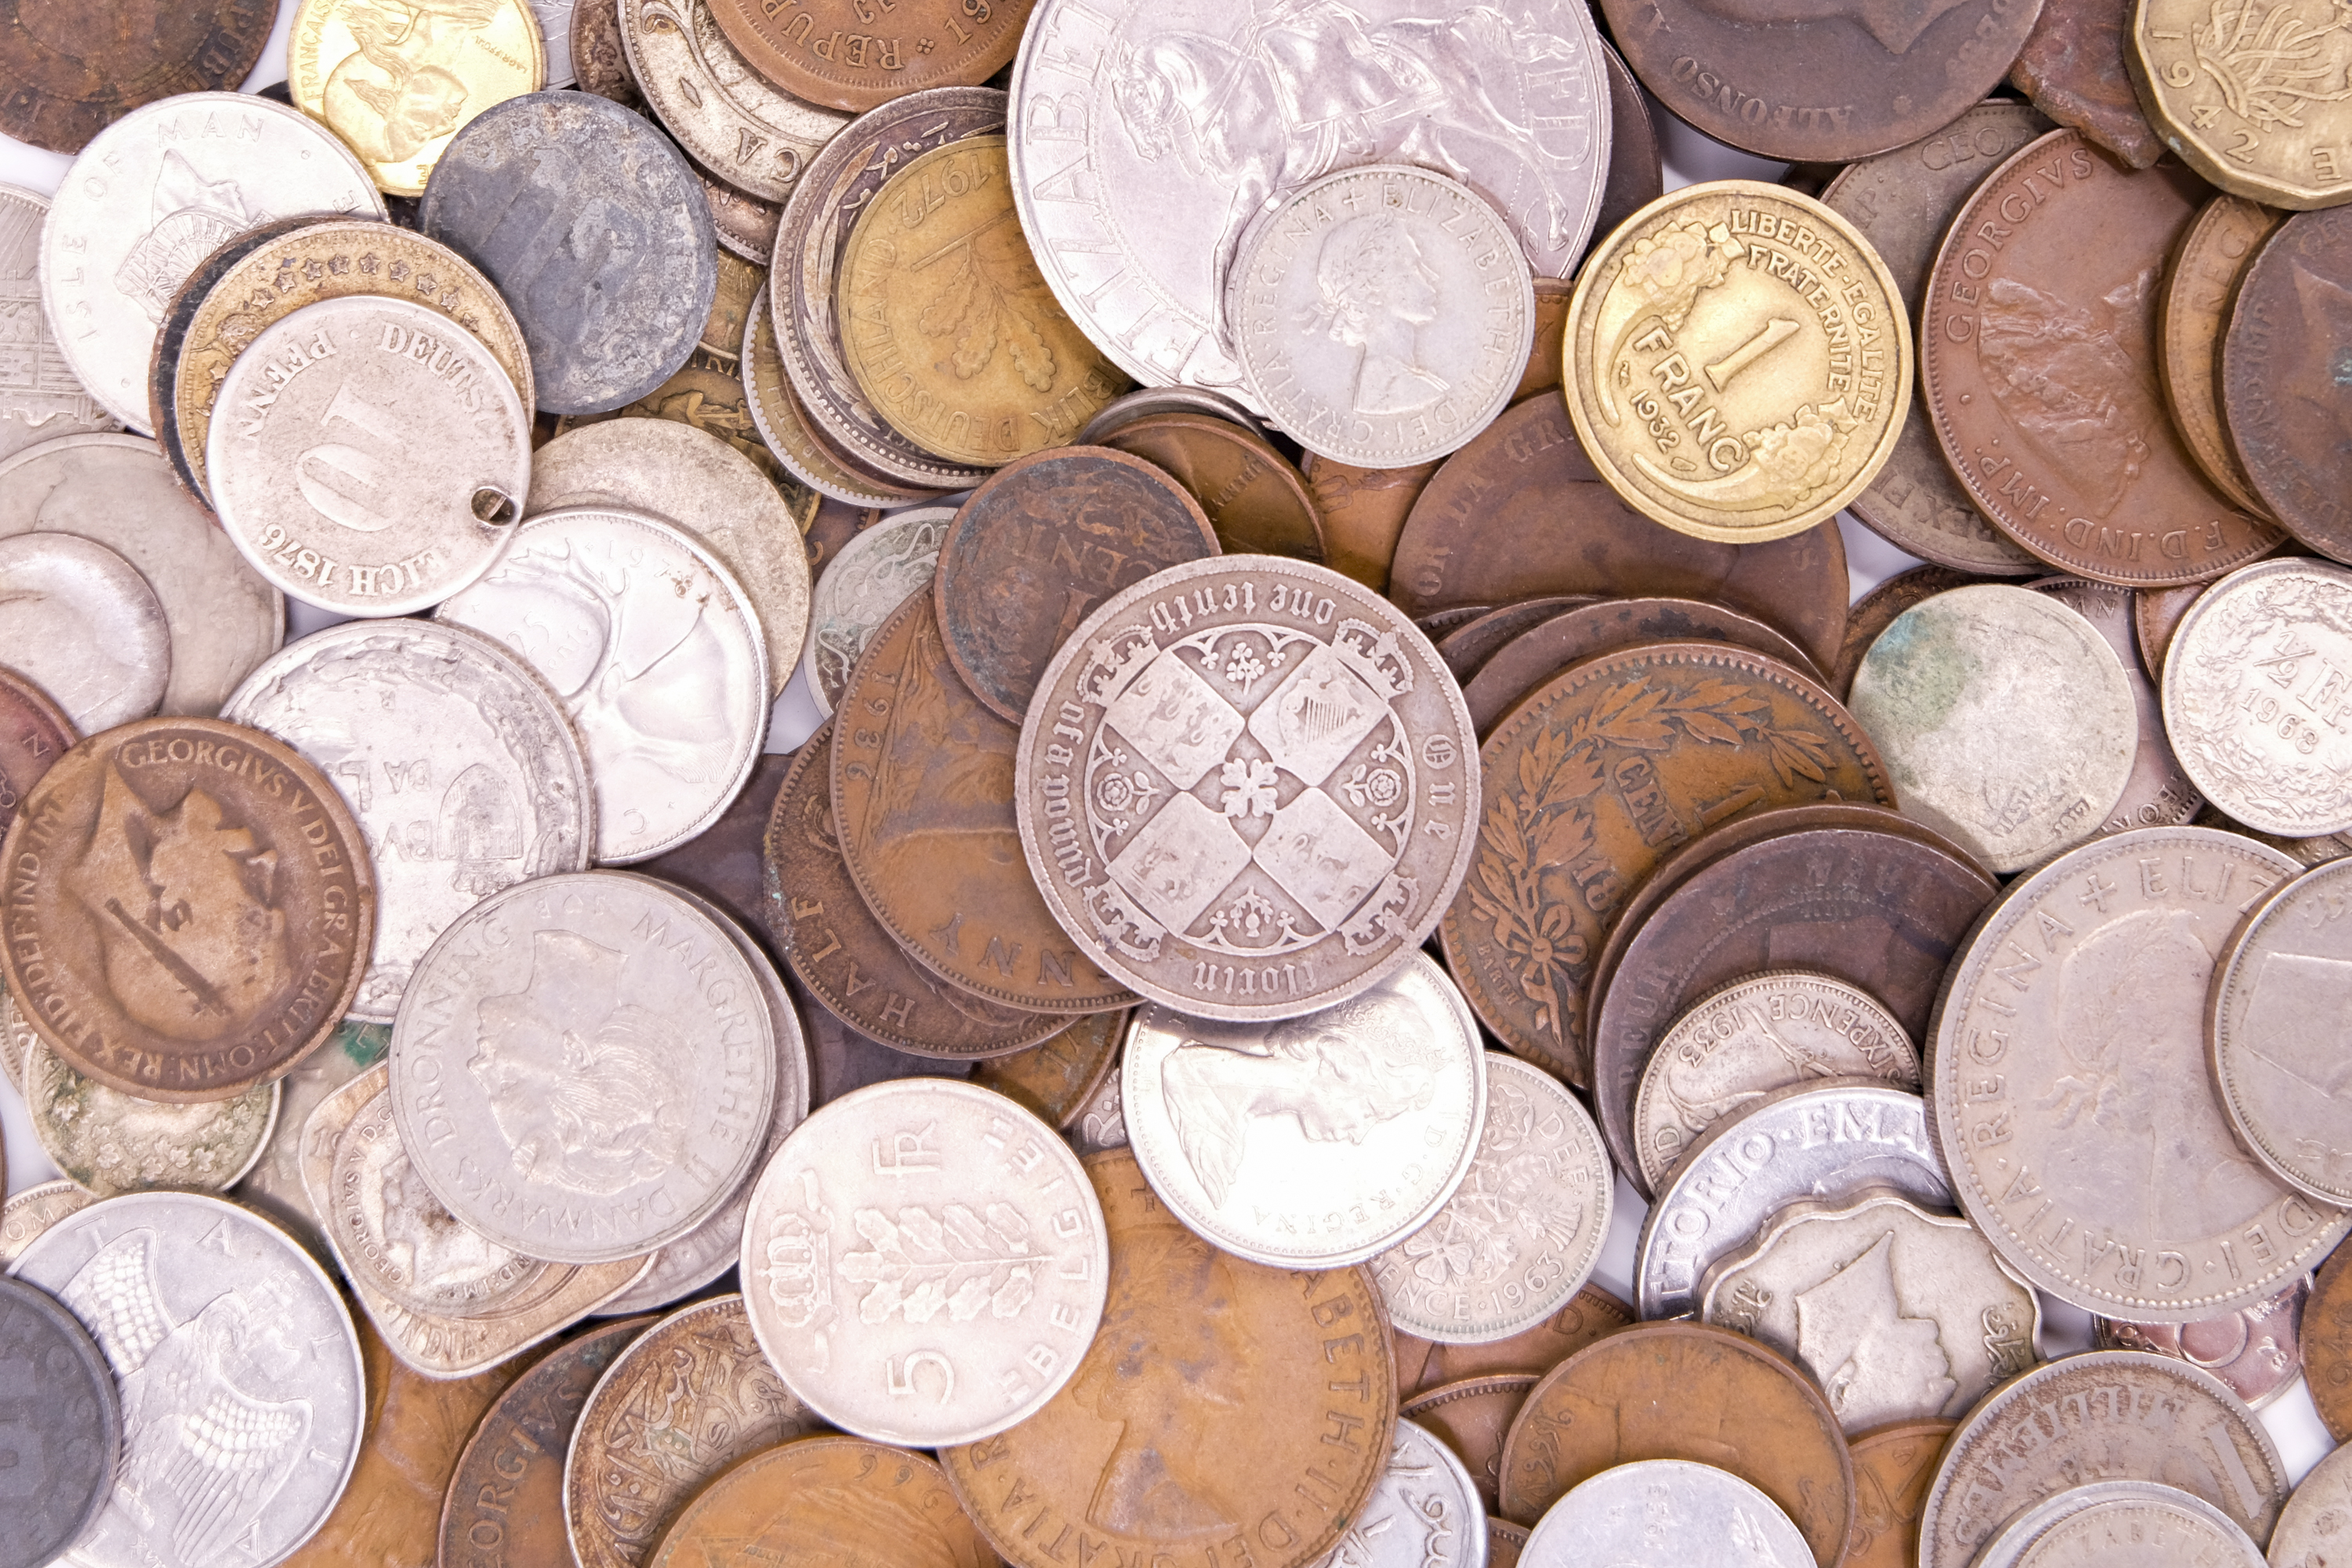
{"x":2256,"y":1350}
{"x":1198,"y":1414}
{"x":841,"y":1059}
{"x":1361,"y":511}
{"x":538,"y":193}
{"x":739,"y":283}
{"x":852,"y":1500}
{"x":1146,"y":401}
{"x":2275,"y":1028}
{"x":2072,"y":67}
{"x":1057,"y":1078}
{"x":1876,"y":610}
{"x":2327,"y":1345}
{"x":1471,"y":1418}
{"x":1255,"y":499}
{"x":2243,"y":102}
{"x":111,"y":1142}
{"x":1038,"y":546}
{"x":2143,"y":1520}
{"x":1522,"y":1232}
{"x":67,"y":81}
{"x":157,"y":190}
{"x":1101,"y":1122}
{"x":784,"y":424}
{"x":67,"y":1427}
{"x":202,"y":1307}
{"x":730,"y":116}
{"x":600,"y":61}
{"x":1662,"y":1511}
{"x":2158,"y":793}
{"x":2315,"y":1517}
{"x":2279,"y":392}
{"x":82,"y":624}
{"x":30,"y":1213}
{"x":274,"y":1186}
{"x":2013,"y":334}
{"x":1423,"y":1365}
{"x":745,"y":225}
{"x":42,"y":399}
{"x":1892,"y":1467}
{"x":1425,"y":1511}
{"x":34,"y":732}
{"x":397,"y":84}
{"x":2200,"y":291}
{"x":871,"y":576}
{"x":1467,"y":648}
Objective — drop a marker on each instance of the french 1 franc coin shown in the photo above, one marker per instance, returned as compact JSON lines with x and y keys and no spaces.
{"x":1901,"y":201}
{"x":1058,"y":1078}
{"x":1038,"y":546}
{"x":190,"y":909}
{"x":2114,"y":941}
{"x":2256,"y":1350}
{"x":69,"y":79}
{"x":2275,"y":1021}
{"x":2158,"y":793}
{"x":2279,"y":395}
{"x":1471,"y":1418}
{"x":1361,"y":511}
{"x":34,"y":733}
{"x":2314,"y":1518}
{"x":65,"y":1466}
{"x":1256,"y":500}
{"x":158,"y":190}
{"x":2201,"y":288}
{"x":1521,"y":511}
{"x":1685,"y":1390}
{"x":203,"y":1309}
{"x":2214,"y":91}
{"x":1876,"y":610}
{"x":869,"y":577}
{"x":2072,"y":67}
{"x":917,"y":1197}
{"x":45,"y":400}
{"x":110,"y":1143}
{"x":529,"y":192}
{"x":2063,"y":295}
{"x":1247,"y":1131}
{"x":926,"y":800}
{"x":1604,"y":770}
{"x":730,"y":116}
{"x":1892,"y":1466}
{"x":82,"y":624}
{"x":32,"y":1211}
{"x":396,"y":95}
{"x":274,"y":1186}
{"x":839,"y":53}
{"x":2098,"y":1417}
{"x":1425,"y":1511}
{"x":1591,"y":1312}
{"x":841,"y":1498}
{"x":1667,"y":1510}
{"x":1197,"y":1413}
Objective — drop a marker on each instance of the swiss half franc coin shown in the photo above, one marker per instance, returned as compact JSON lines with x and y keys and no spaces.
{"x":1665,"y":1511}
{"x":2280,"y":1004}
{"x":111,"y":1142}
{"x":2285,"y":407}
{"x":69,"y":74}
{"x":66,"y":1429}
{"x":48,"y":401}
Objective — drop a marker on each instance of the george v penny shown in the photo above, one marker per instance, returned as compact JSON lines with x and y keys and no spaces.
{"x":1876,"y":610}
{"x":70,"y":74}
{"x":2072,"y":67}
{"x":1590,"y":1314}
{"x":850,"y":55}
{"x":1257,"y":501}
{"x":2279,"y":395}
{"x":2200,"y":289}
{"x":1892,"y":1466}
{"x":34,"y":733}
{"x":832,"y":1499}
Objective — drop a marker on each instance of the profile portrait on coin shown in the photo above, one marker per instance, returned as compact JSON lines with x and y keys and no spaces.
{"x":1377,"y":293}
{"x":398,"y":85}
{"x":421,"y":1238}
{"x":1852,"y":1327}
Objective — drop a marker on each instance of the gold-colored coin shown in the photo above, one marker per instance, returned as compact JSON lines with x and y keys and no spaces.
{"x":739,"y":283}
{"x":2250,"y":93}
{"x":396,"y":78}
{"x":947,"y":324}
{"x":1737,"y":362}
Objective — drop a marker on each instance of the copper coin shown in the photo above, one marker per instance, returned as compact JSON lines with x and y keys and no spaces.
{"x":1472,"y":644}
{"x":2072,"y":67}
{"x":1590,"y":782}
{"x":2328,"y":1343}
{"x":826,"y":1500}
{"x":840,"y":952}
{"x":1220,"y":1399}
{"x":842,"y":1059}
{"x":2158,"y":794}
{"x":836,"y":522}
{"x":1472,"y":1417}
{"x":505,"y":1502}
{"x":1505,"y":1541}
{"x":1440,"y":623}
{"x":1544,"y":363}
{"x":1571,"y":638}
{"x":2037,"y":356}
{"x":2199,"y":289}
{"x":725,"y":862}
{"x":600,"y":61}
{"x":2156,"y":615}
{"x":1058,"y":1078}
{"x":1362,"y":512}
{"x":1685,"y":1390}
{"x":1881,"y":909}
{"x":1876,"y":610}
{"x":1040,"y":544}
{"x":189,"y":909}
{"x":854,"y":55}
{"x":34,"y":733}
{"x":1521,"y":511}
{"x":1423,"y":1365}
{"x":2282,"y":377}
{"x":1636,"y":171}
{"x":71,"y":71}
{"x":2257,"y":1350}
{"x":1892,"y":1466}
{"x":1258,"y":503}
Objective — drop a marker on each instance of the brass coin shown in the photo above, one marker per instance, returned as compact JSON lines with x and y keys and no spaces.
{"x":2072,"y":67}
{"x":2201,"y":288}
{"x":1362,"y":510}
{"x":255,"y":854}
{"x":1059,"y":1078}
{"x":2328,"y":1343}
{"x":599,"y":59}
{"x":1258,"y":503}
{"x":1472,"y":1417}
{"x":1876,"y":610}
{"x":2242,"y":95}
{"x":830,"y":1499}
{"x":739,"y":283}
{"x":396,"y":81}
{"x":1222,"y":1402}
{"x":793,"y":437}
{"x":1590,"y":1314}
{"x":71,"y":72}
{"x":2038,"y":365}
{"x":1892,"y":1466}
{"x":850,"y":55}
{"x":34,"y":733}
{"x":2281,"y":366}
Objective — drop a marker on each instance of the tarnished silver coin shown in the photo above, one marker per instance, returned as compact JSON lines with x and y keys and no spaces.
{"x":733,"y":121}
{"x":243,"y":1400}
{"x":80,"y":622}
{"x":1150,"y":135}
{"x":111,"y":1142}
{"x":2311,"y":1529}
{"x":18,"y":1038}
{"x":584,"y":1068}
{"x":1738,"y":1043}
{"x":656,"y":653}
{"x":869,"y":578}
{"x":1144,"y":401}
{"x":2068,"y":1076}
{"x":1102,"y":1124}
{"x":1248,"y":787}
{"x":555,"y":18}
{"x":2276,"y":1032}
{"x":1900,"y":1314}
{"x":1665,"y":1513}
{"x":118,"y":491}
{"x":2258,"y":696}
{"x":1377,"y":317}
{"x":2145,"y":1524}
{"x":30,"y":1213}
{"x":2256,"y":1350}
{"x":1521,"y":1234}
{"x":2158,"y":793}
{"x":2004,"y":720}
{"x":41,"y":399}
{"x":457,"y":760}
{"x":1316,"y":1141}
{"x":369,"y":455}
{"x":64,"y":1426}
{"x":595,"y":231}
{"x":1425,"y":1511}
{"x":274,"y":1186}
{"x":1812,"y":1140}
{"x":925,"y":1262}
{"x":151,"y":196}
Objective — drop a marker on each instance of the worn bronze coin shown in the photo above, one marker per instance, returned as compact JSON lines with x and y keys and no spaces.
{"x":1362,"y":510}
{"x":2158,"y":794}
{"x":1591,"y":781}
{"x":2072,"y":67}
{"x":1059,"y":1078}
{"x":745,"y":225}
{"x":34,"y":733}
{"x":1636,"y":171}
{"x":600,"y":61}
{"x":1040,"y":544}
{"x":1521,"y":511}
{"x":1892,"y":1467}
{"x":2201,"y":288}
{"x":2328,"y":1343}
{"x":1544,"y":360}
{"x":1505,"y":1541}
{"x":1472,"y":1417}
{"x":1258,"y":503}
{"x":189,"y":910}
{"x":1235,"y":1407}
{"x":1590,"y":1313}
{"x":2256,"y":1350}
{"x":69,"y":72}
{"x":726,"y":861}
{"x":2156,"y":615}
{"x":826,"y":1499}
{"x":1442,"y":623}
{"x":1876,"y":610}
{"x":848,"y":54}
{"x":2037,"y":357}
{"x":1685,"y":1390}
{"x":2282,"y":370}
{"x":842,"y":1059}
{"x":1468,"y":647}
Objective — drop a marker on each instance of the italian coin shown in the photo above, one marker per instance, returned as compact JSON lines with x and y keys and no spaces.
{"x":732,"y":118}
{"x":397,"y":83}
{"x":2279,"y":395}
{"x":112,"y":1143}
{"x":82,"y":624}
{"x":2276,"y":1023}
{"x":856,"y":1500}
{"x":67,"y":1463}
{"x":1662,"y":1511}
{"x":44,"y":400}
{"x":2256,"y":1350}
{"x":2152,"y":1523}
{"x":2238,"y":100}
{"x":871,"y":577}
{"x":1425,"y":1511}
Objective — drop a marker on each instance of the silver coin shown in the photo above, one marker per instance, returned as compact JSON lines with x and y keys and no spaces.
{"x":1743,"y":1040}
{"x":30,"y":1213}
{"x":1144,"y":401}
{"x":1811,"y":1141}
{"x":41,"y":399}
{"x":2311,"y":1529}
{"x":274,"y":1186}
{"x":1155,"y":133}
{"x":1317,"y":1141}
{"x":2258,"y":696}
{"x":1521,"y":1234}
{"x":151,"y":196}
{"x":555,"y":18}
{"x":2158,"y":793}
{"x":64,"y":1426}
{"x":870,"y":577}
{"x":584,"y":1068}
{"x":2121,"y":1524}
{"x":243,"y":1400}
{"x":716,"y":494}
{"x":1665,"y":1513}
{"x":2276,"y":1032}
{"x":2068,"y":1076}
{"x":2256,"y":1350}
{"x":112,"y":1143}
{"x":734,"y":122}
{"x":1898,"y":1313}
{"x":968,"y":1238}
{"x":17,"y":1037}
{"x":80,"y":622}
{"x":2004,"y":720}
{"x":1372,"y":319}
{"x":1102,"y":1124}
{"x":118,"y":491}
{"x":2097,"y":1416}
{"x":656,"y":653}
{"x":1424,"y":1512}
{"x":1247,"y":787}
{"x":455,"y":759}
{"x":595,"y":230}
